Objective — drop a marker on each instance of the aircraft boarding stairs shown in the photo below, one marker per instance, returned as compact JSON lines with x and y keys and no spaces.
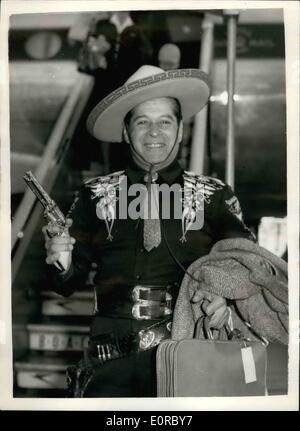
{"x":56,"y":329}
{"x":54,"y":343}
{"x":49,"y":331}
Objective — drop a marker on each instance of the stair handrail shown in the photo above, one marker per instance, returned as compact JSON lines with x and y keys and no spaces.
{"x":28,"y":214}
{"x":49,"y":156}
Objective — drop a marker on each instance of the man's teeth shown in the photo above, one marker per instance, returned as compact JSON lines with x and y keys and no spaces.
{"x":154,"y":145}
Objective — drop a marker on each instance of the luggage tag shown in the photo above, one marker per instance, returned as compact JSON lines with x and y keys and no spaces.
{"x":248,"y":365}
{"x":247,"y":356}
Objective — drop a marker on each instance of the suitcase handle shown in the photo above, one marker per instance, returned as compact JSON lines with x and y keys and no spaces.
{"x":204,"y":323}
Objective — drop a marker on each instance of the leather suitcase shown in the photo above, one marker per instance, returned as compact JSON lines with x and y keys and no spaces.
{"x":209,"y":368}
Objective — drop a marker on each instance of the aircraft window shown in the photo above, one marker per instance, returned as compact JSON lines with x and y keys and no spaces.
{"x":43,"y":45}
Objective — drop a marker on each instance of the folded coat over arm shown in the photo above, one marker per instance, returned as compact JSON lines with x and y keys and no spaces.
{"x":253,"y":280}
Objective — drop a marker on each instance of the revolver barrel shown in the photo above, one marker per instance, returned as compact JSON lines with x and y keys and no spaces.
{"x":37,"y":189}
{"x":51,"y":211}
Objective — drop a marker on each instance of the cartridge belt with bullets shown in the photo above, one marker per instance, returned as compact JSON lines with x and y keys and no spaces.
{"x":109,"y":346}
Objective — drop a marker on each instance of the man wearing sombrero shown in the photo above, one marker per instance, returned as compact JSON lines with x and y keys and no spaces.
{"x":141,"y":261}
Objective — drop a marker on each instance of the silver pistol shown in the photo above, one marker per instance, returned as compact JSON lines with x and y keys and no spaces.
{"x":52,"y":213}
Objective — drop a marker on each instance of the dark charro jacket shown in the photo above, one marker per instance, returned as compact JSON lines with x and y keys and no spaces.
{"x":122,"y":262}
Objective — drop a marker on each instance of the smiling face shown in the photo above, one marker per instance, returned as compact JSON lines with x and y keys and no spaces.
{"x":154,"y":129}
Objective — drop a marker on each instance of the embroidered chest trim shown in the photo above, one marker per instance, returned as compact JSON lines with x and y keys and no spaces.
{"x":105,"y":189}
{"x":197,"y":189}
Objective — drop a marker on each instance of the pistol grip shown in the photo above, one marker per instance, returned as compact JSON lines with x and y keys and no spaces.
{"x":63,"y":261}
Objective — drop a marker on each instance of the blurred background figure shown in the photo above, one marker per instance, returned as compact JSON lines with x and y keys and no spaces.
{"x":92,"y":55}
{"x":79,"y":29}
{"x":116,"y":44}
{"x":169,"y":57}
{"x":113,"y":49}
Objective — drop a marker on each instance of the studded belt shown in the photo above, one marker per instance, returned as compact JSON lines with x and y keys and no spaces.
{"x":106,"y":347}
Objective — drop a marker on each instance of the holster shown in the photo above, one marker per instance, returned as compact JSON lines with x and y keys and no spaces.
{"x":79,"y":376}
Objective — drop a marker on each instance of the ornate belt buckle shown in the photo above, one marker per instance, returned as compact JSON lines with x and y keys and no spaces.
{"x":136,"y":292}
{"x":165,"y":304}
{"x":136,"y":309}
{"x":136,"y":312}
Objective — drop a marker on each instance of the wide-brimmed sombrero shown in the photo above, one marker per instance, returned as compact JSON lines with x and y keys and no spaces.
{"x":189,"y":86}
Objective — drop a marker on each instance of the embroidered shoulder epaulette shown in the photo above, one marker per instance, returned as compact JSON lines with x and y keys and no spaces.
{"x":104,"y":179}
{"x":104,"y":188}
{"x":202,"y":185}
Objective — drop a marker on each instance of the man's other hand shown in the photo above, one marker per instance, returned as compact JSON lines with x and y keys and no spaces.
{"x":214,"y":306}
{"x":59,"y":246}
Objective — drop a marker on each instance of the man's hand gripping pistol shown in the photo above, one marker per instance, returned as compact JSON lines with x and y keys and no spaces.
{"x":58,"y":242}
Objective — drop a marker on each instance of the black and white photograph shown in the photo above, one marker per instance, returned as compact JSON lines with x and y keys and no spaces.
{"x":149,"y":205}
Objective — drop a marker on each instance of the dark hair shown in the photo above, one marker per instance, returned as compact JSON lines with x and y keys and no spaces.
{"x":106,"y":28}
{"x":176,"y":110}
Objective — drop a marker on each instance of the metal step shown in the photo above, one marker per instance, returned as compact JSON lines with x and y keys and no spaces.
{"x":59,"y":338}
{"x":79,"y":304}
{"x":42,"y":373}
